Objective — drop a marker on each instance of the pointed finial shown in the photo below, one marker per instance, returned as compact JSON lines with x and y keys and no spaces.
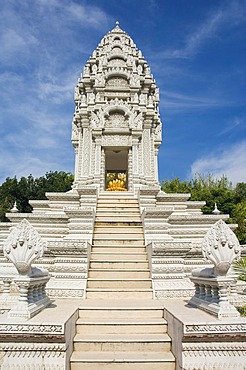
{"x":14,"y":209}
{"x":216,"y":211}
{"x":117,"y":23}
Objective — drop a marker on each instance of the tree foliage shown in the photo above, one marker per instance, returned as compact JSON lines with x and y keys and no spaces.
{"x":31,"y":188}
{"x":240,"y":267}
{"x":229,"y":200}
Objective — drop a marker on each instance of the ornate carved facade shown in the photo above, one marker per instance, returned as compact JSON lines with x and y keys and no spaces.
{"x":116,"y":129}
{"x":116,"y":118}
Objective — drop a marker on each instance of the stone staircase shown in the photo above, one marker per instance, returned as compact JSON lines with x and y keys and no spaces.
{"x":120,"y":326}
{"x":119,"y":266}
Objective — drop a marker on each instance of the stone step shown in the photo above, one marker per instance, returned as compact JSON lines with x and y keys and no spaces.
{"x":118,"y":236}
{"x":122,"y":361}
{"x":105,"y":294}
{"x":120,"y":273}
{"x":122,"y":342}
{"x":135,"y":265}
{"x":127,"y":231}
{"x":121,"y":326}
{"x":118,"y":256}
{"x":110,"y":212}
{"x":118,"y":210}
{"x":125,"y":201}
{"x":118,"y":219}
{"x":121,"y":310}
{"x":116,"y":205}
{"x":116,"y":194}
{"x":122,"y":242}
{"x":118,"y":244}
{"x":119,"y":283}
{"x":115,"y":229}
{"x":118,"y":248}
{"x":113,"y":222}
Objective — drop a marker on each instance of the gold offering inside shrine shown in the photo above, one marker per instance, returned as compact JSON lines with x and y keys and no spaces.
{"x":116,"y":181}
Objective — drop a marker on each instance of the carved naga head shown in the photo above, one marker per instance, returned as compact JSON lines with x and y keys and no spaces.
{"x":221,"y":246}
{"x":23,"y":246}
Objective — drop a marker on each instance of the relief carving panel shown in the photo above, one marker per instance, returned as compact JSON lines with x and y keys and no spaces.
{"x":116,"y":140}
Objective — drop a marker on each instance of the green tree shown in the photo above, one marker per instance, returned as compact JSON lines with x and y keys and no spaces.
{"x":8,"y":194}
{"x":30,"y":188}
{"x":240,"y":191}
{"x":229,"y":200}
{"x":240,"y":267}
{"x":52,"y":182}
{"x":239,"y":216}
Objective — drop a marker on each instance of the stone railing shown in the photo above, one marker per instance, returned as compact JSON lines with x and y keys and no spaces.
{"x":22,"y":247}
{"x":213,"y":284}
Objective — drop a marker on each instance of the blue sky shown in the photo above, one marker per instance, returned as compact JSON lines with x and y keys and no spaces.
{"x":196,"y":51}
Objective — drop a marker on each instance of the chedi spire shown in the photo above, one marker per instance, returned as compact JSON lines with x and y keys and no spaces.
{"x":116,"y":126}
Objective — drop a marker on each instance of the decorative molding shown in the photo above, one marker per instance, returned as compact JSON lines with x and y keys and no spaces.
{"x":163,"y":294}
{"x":216,"y":364}
{"x":232,"y":328}
{"x":116,"y":140}
{"x":116,"y":120}
{"x":196,"y":219}
{"x":117,"y":82}
{"x":65,"y":252}
{"x":27,"y":328}
{"x":181,"y":283}
{"x":66,"y":244}
{"x":35,"y":346}
{"x":215,"y":346}
{"x":167,"y":269}
{"x":65,"y":269}
{"x":72,"y":276}
{"x":66,"y":293}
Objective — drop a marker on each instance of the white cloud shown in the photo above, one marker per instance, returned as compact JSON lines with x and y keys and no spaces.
{"x":90,"y":15}
{"x":27,"y":164}
{"x":235,"y":123}
{"x":173,"y":100}
{"x":11,"y":41}
{"x":70,"y":11}
{"x":59,"y":88}
{"x":31,"y":30}
{"x":17,"y":36}
{"x":230,"y":15}
{"x":229,"y":161}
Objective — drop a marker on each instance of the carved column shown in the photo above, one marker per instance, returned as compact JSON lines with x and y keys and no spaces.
{"x":135,"y":172}
{"x":156,"y":164}
{"x":97,"y":158}
{"x":98,"y":148}
{"x":152,"y":156}
{"x":102,"y":177}
{"x":92,"y":160}
{"x":80,"y":153}
{"x":86,"y":145}
{"x":147,"y":150}
{"x":140,"y":159}
{"x":76,"y":170}
{"x":130,"y":172}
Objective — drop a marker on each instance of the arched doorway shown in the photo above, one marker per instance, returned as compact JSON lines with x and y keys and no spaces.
{"x":116,"y":169}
